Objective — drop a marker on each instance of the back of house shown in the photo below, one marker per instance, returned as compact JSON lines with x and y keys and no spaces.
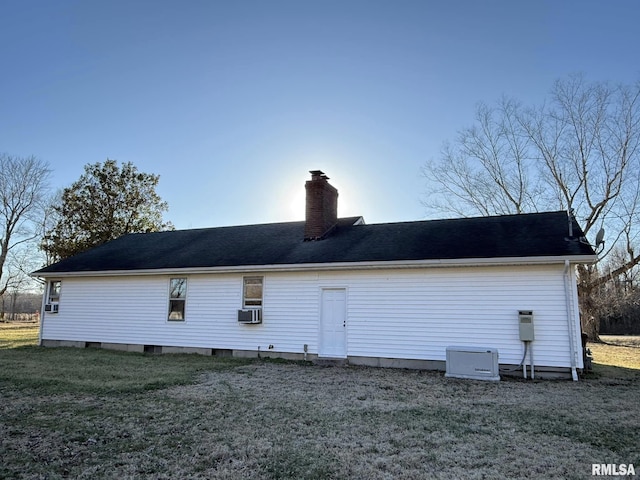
{"x":424,"y":294}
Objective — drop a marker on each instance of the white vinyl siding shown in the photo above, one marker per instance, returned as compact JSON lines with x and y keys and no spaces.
{"x":417,"y":315}
{"x":402,"y":313}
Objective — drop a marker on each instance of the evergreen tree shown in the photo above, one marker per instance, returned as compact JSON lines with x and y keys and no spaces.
{"x":105,"y":203}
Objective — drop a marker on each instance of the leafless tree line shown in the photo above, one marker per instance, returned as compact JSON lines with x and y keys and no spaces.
{"x":24,"y":196}
{"x":578,"y":151}
{"x":20,"y":306}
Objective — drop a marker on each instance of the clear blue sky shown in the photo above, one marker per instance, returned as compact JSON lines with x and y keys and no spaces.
{"x":233,"y":102}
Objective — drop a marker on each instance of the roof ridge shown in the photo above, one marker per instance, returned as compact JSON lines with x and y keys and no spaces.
{"x":291,"y":222}
{"x":464,"y":219}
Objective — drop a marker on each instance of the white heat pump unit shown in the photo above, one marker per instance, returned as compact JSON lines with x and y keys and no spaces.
{"x":476,"y":363}
{"x":250,"y":316}
{"x":51,"y":308}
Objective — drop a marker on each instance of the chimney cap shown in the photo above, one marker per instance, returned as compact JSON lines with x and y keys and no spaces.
{"x":318,"y":174}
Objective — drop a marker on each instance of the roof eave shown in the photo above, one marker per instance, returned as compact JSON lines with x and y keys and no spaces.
{"x":370,"y":265}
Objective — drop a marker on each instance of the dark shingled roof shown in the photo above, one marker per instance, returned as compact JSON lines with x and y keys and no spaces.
{"x":526,"y":235}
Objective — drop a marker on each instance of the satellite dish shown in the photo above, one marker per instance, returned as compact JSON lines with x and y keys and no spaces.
{"x":600,"y":238}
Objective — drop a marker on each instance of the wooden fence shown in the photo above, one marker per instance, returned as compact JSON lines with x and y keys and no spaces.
{"x":21,"y":317}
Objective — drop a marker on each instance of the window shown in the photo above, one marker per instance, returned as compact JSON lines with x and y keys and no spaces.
{"x":52,"y":304}
{"x":53,"y":296}
{"x":252,"y":292}
{"x":177,"y":298}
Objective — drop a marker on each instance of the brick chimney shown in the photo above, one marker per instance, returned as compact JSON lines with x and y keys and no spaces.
{"x":322,"y":206}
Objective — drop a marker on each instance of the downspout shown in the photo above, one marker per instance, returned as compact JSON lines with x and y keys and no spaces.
{"x":44,"y":296}
{"x":567,"y":292}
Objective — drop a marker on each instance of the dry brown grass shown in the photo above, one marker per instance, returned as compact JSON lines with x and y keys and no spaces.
{"x":18,"y":334}
{"x":618,"y":351}
{"x":621,"y":340}
{"x":274,"y":420}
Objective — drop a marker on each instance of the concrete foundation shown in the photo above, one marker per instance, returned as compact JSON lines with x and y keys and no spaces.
{"x":187,"y":350}
{"x":124,"y":347}
{"x":542,"y":373}
{"x":398,"y":363}
{"x":63,"y":343}
{"x":440,"y":365}
{"x":271,"y":354}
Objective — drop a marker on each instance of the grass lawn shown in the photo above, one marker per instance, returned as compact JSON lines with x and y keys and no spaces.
{"x":85,"y":413}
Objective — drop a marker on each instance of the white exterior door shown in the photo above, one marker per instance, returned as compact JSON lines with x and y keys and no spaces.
{"x":333,"y":323}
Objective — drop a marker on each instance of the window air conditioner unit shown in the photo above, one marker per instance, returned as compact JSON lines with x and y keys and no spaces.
{"x":51,"y":307}
{"x":476,"y":363}
{"x":250,"y":316}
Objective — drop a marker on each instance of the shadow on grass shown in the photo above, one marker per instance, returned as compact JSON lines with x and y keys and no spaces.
{"x":95,"y":371}
{"x":621,"y":345}
{"x":612,"y":374}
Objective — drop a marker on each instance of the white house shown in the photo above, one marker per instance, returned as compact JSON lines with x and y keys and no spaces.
{"x":393,"y":294}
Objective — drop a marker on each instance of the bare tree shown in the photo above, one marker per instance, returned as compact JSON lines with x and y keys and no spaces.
{"x":578,"y":152}
{"x":488,"y":170}
{"x":24,"y":184}
{"x":617,"y":301}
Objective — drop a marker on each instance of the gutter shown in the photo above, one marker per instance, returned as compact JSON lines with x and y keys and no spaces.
{"x":370,"y":265}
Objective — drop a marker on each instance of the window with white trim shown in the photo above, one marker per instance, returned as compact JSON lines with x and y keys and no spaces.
{"x":252,"y":292}
{"x":53,"y":291}
{"x":52,"y":303}
{"x":177,"y":298}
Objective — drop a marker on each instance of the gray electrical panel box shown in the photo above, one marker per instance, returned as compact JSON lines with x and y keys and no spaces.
{"x":525,"y":320}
